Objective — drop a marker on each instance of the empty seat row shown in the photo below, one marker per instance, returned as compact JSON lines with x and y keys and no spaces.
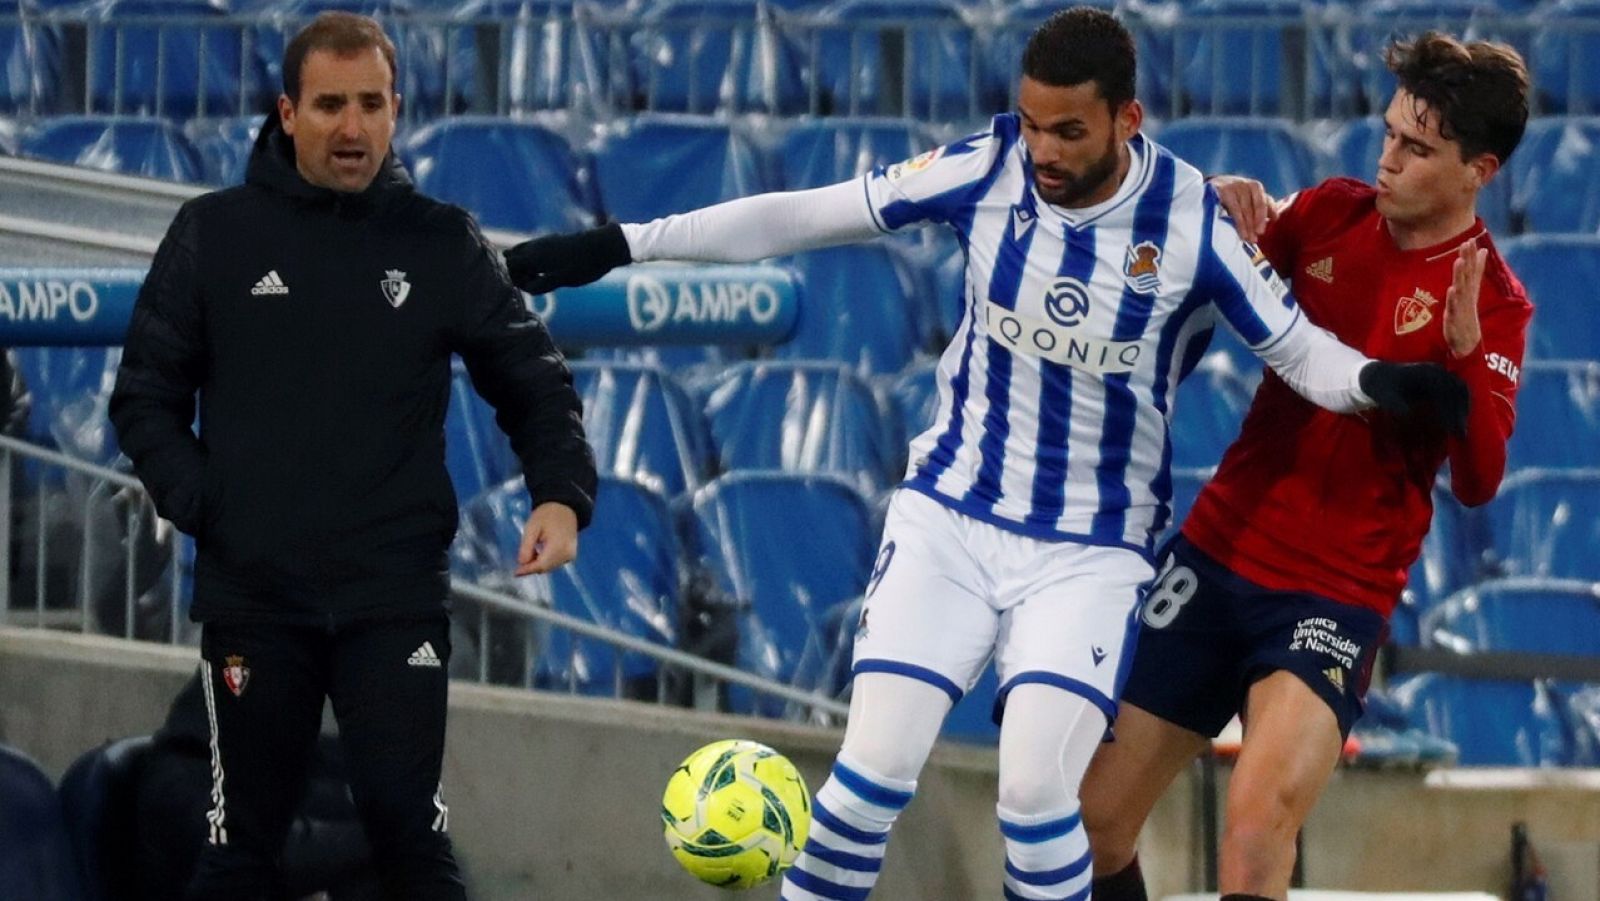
{"x":1502,"y":722}
{"x":937,"y":59}
{"x":523,"y":176}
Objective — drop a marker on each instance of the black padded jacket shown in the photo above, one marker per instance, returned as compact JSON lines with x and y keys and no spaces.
{"x":317,"y":328}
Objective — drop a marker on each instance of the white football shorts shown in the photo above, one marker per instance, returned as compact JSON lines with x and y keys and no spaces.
{"x":947,"y":591}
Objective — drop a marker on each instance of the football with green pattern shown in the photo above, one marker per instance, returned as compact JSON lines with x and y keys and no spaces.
{"x":736,"y":813}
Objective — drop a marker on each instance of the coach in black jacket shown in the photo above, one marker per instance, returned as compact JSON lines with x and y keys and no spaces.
{"x":315,"y":310}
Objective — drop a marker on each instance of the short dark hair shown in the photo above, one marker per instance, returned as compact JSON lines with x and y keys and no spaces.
{"x":343,"y":34}
{"x":1479,"y":90}
{"x":1083,"y":44}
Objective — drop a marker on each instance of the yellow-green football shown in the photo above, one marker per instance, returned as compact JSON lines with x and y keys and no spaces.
{"x":736,"y":813}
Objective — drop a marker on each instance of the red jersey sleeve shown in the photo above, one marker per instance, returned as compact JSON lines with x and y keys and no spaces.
{"x":1491,"y":372}
{"x":1318,"y":207}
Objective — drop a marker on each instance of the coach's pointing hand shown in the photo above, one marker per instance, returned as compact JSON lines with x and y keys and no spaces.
{"x":549,"y":540}
{"x":569,"y":260}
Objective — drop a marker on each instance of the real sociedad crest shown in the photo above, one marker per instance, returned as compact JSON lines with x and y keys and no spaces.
{"x":1141,"y":267}
{"x":395,"y":287}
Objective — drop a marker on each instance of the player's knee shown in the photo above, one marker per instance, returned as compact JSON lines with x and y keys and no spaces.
{"x":1113,"y":835}
{"x":1260,"y":832}
{"x":1264,"y":814}
{"x":1035,"y":789}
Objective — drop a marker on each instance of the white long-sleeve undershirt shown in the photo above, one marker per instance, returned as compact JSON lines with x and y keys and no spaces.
{"x":1309,"y":359}
{"x":758,"y":227}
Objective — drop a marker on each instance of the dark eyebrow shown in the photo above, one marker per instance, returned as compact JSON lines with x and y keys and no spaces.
{"x":1415,"y":142}
{"x":1057,"y":125}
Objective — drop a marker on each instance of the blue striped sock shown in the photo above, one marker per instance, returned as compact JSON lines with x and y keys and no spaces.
{"x":849,"y":829}
{"x":1047,"y":856}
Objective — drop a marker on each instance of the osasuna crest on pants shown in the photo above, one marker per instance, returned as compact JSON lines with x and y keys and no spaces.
{"x":395,"y":287}
{"x":236,"y":674}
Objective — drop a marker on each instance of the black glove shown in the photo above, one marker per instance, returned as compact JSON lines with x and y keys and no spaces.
{"x":567,"y":261}
{"x":1419,"y":393}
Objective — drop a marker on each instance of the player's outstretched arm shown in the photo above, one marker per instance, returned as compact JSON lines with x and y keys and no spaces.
{"x":567,"y":261}
{"x":738,"y":231}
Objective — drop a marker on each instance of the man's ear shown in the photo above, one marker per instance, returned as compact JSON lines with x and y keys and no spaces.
{"x":1485,"y":166}
{"x":1129,"y":119}
{"x":286,"y":113}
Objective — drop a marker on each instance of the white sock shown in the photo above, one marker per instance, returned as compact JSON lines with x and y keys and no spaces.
{"x":850,"y":824}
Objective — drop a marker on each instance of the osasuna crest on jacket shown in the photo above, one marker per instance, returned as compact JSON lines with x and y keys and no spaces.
{"x":1056,"y":390}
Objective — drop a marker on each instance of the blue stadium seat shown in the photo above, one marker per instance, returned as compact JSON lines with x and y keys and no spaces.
{"x":789,"y":548}
{"x":1547,"y":523}
{"x":1555,"y":176}
{"x":1583,"y":709}
{"x":1207,"y":413}
{"x":1558,"y":415}
{"x":657,"y":165}
{"x":1186,"y":485}
{"x":1493,"y":722}
{"x":643,"y":426}
{"x":826,"y":151}
{"x":940,"y":79}
{"x":71,"y":389}
{"x":626,"y":579}
{"x":942,"y":263}
{"x":801,"y":418}
{"x":1530,"y":616}
{"x":1250,"y":57}
{"x":1265,"y":149}
{"x":1565,"y":45}
{"x":154,"y":148}
{"x":477,"y":454}
{"x":36,"y":860}
{"x":859,"y":309}
{"x":31,"y":63}
{"x":155,"y":57}
{"x":1558,"y":271}
{"x":544,"y":58}
{"x":224,"y":147}
{"x":704,"y":56}
{"x":419,"y":45}
{"x":97,"y":798}
{"x":1380,"y":21}
{"x":1007,"y":38}
{"x":971,"y":720}
{"x":512,"y":175}
{"x":1359,"y":142}
{"x":1451,"y":557}
{"x":915,"y":395}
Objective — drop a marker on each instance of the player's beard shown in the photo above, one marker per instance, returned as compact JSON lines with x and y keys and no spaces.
{"x":1074,"y":188}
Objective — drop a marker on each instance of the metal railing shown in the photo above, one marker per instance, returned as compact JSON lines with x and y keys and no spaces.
{"x":48,"y":498}
{"x":1316,"y":62}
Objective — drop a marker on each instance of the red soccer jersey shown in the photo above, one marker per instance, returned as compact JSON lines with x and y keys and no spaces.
{"x":1335,"y":504}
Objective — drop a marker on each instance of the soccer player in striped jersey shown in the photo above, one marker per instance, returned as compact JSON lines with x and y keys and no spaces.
{"x":1096,"y":261}
{"x":1277,"y":593}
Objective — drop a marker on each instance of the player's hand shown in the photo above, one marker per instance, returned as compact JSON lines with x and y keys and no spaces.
{"x":549,"y":540}
{"x":1461,"y":329}
{"x":1418,"y":394}
{"x":1247,"y":202}
{"x":566,"y":261}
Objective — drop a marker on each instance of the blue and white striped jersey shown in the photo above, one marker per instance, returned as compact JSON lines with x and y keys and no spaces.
{"x":1056,"y":390}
